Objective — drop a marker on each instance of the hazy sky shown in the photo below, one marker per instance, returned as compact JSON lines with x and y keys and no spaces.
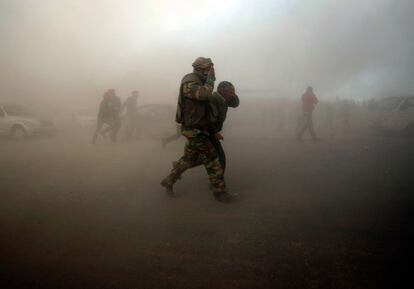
{"x":67,"y":49}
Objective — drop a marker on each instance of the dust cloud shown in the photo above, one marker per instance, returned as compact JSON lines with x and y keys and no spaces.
{"x":72,"y":51}
{"x":332,"y":210}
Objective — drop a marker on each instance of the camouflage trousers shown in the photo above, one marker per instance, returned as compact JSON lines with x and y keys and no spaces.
{"x":200,"y":148}
{"x":221,"y":155}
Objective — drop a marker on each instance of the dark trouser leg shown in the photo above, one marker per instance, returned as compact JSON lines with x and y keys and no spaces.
{"x":220,"y":151}
{"x":97,"y":130}
{"x":130,"y":127}
{"x":307,"y":124}
{"x":303,"y":127}
{"x":115,"y":126}
{"x":310,"y":126}
{"x":211,"y":162}
{"x":107,"y":129}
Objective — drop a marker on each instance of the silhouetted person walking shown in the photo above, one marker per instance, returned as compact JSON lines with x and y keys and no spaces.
{"x":103,"y":116}
{"x":130,"y":105}
{"x":114,"y":119}
{"x":309,"y":101}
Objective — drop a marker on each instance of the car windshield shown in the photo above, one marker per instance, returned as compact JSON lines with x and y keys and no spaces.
{"x":17,"y":110}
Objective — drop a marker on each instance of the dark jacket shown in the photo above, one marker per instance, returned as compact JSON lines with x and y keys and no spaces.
{"x":104,"y":110}
{"x":218,"y":109}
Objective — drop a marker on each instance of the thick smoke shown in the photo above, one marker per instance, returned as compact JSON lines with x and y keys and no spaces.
{"x":71,"y":51}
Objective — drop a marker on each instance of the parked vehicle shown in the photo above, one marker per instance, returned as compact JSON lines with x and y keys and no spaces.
{"x":155,"y":120}
{"x":394,"y":114}
{"x":19,"y":122}
{"x":84,"y":119}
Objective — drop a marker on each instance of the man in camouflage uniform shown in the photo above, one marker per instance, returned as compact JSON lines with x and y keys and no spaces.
{"x":193,"y":112}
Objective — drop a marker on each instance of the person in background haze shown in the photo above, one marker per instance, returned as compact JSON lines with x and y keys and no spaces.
{"x":114,"y":119}
{"x":103,"y":115}
{"x":130,"y":106}
{"x":309,"y":101}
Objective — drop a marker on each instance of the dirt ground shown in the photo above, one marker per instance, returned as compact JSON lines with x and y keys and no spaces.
{"x":337,"y":213}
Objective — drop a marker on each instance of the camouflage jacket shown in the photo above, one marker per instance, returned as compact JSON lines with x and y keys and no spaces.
{"x":193,"y":110}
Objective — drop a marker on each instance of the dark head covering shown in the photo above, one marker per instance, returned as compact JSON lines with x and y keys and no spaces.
{"x":233,"y":101}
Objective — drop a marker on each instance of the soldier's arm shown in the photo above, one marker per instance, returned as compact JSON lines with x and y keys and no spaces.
{"x":193,"y":90}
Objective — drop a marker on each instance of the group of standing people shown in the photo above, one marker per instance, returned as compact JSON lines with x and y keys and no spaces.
{"x":109,"y":115}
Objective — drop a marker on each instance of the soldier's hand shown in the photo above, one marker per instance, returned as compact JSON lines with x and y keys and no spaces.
{"x":218,"y":136}
{"x":212,"y":71}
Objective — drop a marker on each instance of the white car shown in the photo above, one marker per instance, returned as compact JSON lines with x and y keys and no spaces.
{"x":394,"y":114}
{"x":17,"y":121}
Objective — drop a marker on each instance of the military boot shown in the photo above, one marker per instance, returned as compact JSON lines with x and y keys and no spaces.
{"x":168,"y":187}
